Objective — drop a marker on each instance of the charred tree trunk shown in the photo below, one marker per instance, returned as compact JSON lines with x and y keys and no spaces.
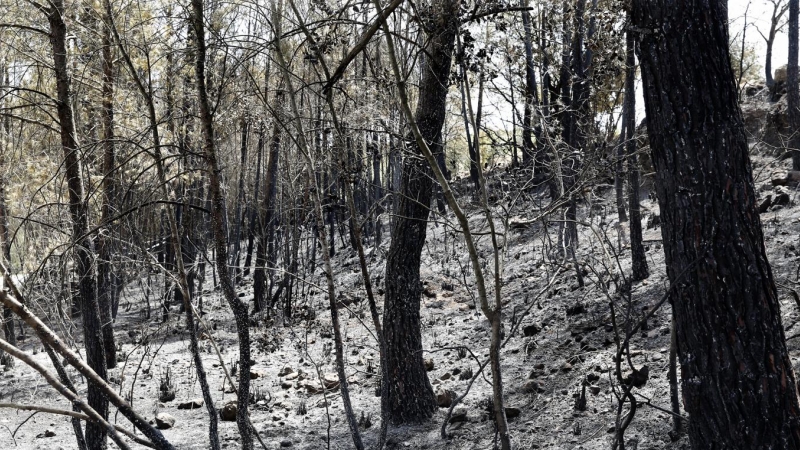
{"x":792,"y":87}
{"x":619,"y":175}
{"x":79,"y":213}
{"x":254,"y":222}
{"x":410,"y":393}
{"x":238,"y":216}
{"x":638,"y":257}
{"x":738,"y":384}
{"x":105,"y":277}
{"x":5,"y":243}
{"x":528,"y":154}
{"x":238,"y":307}
{"x":266,"y":236}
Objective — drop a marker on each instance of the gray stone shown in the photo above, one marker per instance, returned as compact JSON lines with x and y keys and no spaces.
{"x":164,"y":421}
{"x":192,"y":404}
{"x":445,"y":397}
{"x":228,"y":412}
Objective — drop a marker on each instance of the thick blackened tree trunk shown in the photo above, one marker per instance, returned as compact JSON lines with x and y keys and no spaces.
{"x":238,"y":307}
{"x":84,"y":249}
{"x":638,"y":257}
{"x":737,"y":379}
{"x":410,"y":393}
{"x":792,"y":87}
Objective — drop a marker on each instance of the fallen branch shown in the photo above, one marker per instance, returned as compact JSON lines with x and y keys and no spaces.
{"x":73,"y":414}
{"x":63,"y":390}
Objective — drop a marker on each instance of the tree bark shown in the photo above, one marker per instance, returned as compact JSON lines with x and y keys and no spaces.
{"x":105,"y":247}
{"x":736,"y":375}
{"x":84,"y":248}
{"x":5,"y":243}
{"x":238,"y":307}
{"x":792,"y":87}
{"x":410,"y":393}
{"x":638,"y":257}
{"x":266,"y":237}
{"x":528,"y":156}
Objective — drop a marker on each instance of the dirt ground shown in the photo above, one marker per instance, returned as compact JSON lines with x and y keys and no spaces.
{"x":571,"y":341}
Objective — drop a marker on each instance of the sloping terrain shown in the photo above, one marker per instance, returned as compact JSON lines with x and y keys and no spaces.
{"x":558,"y":338}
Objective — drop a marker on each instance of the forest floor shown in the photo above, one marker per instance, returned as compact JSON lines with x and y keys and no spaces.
{"x":570,"y":340}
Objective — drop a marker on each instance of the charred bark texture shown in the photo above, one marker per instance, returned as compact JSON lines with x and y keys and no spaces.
{"x":737,"y":379}
{"x":238,"y":307}
{"x":84,"y":248}
{"x":410,"y":393}
{"x":792,"y":87}
{"x":639,"y":267}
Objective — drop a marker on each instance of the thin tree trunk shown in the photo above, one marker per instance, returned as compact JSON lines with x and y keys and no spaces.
{"x":90,"y":311}
{"x":638,"y":256}
{"x":238,"y":308}
{"x":619,"y":174}
{"x":528,"y":153}
{"x":104,"y":242}
{"x":238,"y":216}
{"x":254,"y":208}
{"x":738,"y":384}
{"x":5,"y":243}
{"x":266,"y":236}
{"x":305,"y":149}
{"x":184,"y":281}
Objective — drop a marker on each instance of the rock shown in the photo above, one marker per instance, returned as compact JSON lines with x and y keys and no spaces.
{"x":330,"y":381}
{"x":576,"y":309}
{"x":782,"y":198}
{"x":531,"y":387}
{"x":164,"y":421}
{"x":791,"y":177}
{"x":512,"y":412}
{"x":166,"y":394}
{"x":446,"y":376}
{"x":566,"y":367}
{"x":255,"y":374}
{"x":292,"y":376}
{"x":285,"y":371}
{"x":459,"y":416}
{"x":531,"y":330}
{"x":228,"y":412}
{"x":438,"y":304}
{"x":780,"y":74}
{"x":639,"y":377}
{"x":286,"y":443}
{"x":286,"y":385}
{"x":594,"y":389}
{"x":428,"y":363}
{"x":765,"y":204}
{"x":445,"y":397}
{"x":191,"y":404}
{"x":313,"y":388}
{"x":47,"y":434}
{"x":653,"y":220}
